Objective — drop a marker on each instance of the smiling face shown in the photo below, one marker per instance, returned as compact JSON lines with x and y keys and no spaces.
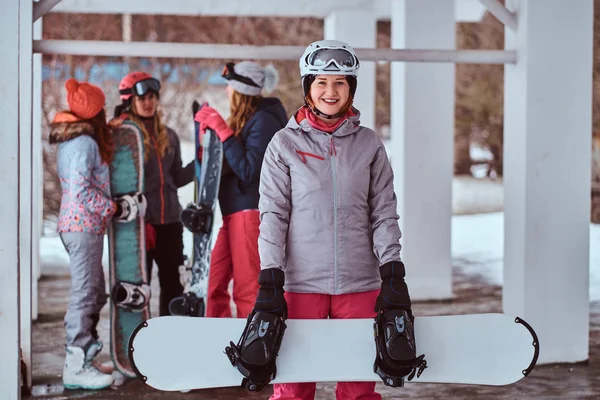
{"x":330,"y":94}
{"x":146,"y":105}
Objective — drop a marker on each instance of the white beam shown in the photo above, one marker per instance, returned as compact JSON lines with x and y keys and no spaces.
{"x":9,"y":201}
{"x":547,"y":151}
{"x":465,"y":10}
{"x":359,"y":29}
{"x":234,"y":51}
{"x":42,"y":7}
{"x":422,"y":109}
{"x":468,"y":11}
{"x":501,"y":13}
{"x":254,"y":8}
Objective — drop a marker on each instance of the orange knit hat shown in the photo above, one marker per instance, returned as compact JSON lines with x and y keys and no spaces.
{"x":85,"y":100}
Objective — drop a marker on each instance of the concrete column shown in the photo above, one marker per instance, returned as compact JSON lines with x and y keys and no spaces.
{"x":547,"y":152}
{"x":358,"y":28}
{"x":9,"y":201}
{"x":37,"y":196}
{"x":422,"y":106}
{"x":27,"y":218}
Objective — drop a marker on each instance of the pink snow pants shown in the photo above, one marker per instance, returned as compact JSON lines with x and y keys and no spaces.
{"x":321,"y":306}
{"x":235,"y":256}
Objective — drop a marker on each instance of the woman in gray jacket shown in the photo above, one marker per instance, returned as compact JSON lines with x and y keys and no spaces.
{"x":329,"y":229}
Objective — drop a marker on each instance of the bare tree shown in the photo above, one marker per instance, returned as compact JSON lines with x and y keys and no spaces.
{"x":479,"y":111}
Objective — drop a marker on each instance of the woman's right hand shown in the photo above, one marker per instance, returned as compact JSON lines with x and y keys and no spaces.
{"x":209,"y":118}
{"x":270,"y":295}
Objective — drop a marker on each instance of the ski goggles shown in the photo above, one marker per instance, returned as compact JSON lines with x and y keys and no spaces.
{"x":230,"y":74}
{"x":323,"y":58}
{"x":142,"y":87}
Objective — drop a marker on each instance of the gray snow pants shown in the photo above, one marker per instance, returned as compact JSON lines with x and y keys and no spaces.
{"x":88,"y":292}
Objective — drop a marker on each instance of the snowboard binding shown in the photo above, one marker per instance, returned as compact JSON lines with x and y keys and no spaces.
{"x":130,"y":296}
{"x":188,"y":305}
{"x":197,"y":218}
{"x":255,"y":354}
{"x":396,"y":356}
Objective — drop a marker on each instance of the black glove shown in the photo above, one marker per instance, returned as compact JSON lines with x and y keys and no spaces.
{"x":256,"y":352}
{"x":396,"y":356}
{"x":394,"y":292}
{"x":270,"y":294}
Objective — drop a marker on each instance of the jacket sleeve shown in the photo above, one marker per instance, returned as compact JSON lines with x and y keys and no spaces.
{"x":82,"y":160}
{"x":382,"y":203}
{"x":245,"y":159}
{"x":181,"y":175}
{"x":274,"y":206}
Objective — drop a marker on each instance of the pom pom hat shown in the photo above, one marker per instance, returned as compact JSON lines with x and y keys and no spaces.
{"x":85,"y":100}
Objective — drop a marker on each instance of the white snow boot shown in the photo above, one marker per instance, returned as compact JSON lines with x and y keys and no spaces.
{"x":79,"y":371}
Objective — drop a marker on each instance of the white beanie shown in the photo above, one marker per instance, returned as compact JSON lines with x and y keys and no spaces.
{"x":265,"y":78}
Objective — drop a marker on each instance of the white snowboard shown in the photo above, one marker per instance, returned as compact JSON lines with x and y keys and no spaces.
{"x":183,"y":353}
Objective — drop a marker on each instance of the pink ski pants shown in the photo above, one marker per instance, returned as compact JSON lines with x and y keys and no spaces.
{"x":235,"y":256}
{"x":321,"y":306}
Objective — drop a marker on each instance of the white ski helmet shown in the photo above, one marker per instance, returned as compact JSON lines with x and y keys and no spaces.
{"x":329,"y":57}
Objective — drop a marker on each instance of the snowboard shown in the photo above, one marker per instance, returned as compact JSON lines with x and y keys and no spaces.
{"x":198,"y":217}
{"x":126,"y":244}
{"x":477,"y":349}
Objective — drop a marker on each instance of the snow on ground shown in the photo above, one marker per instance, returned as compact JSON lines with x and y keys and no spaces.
{"x":477,"y":231}
{"x":477,"y":248}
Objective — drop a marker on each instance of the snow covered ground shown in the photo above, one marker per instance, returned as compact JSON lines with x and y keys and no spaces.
{"x":477,"y":248}
{"x":477,"y":238}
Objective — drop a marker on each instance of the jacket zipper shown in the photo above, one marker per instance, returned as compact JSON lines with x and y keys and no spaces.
{"x":162,"y":181}
{"x":332,"y":158}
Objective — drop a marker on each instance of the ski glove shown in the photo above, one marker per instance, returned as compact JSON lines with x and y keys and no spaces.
{"x":130,"y":207}
{"x":210,"y":118}
{"x":394,"y":292}
{"x":270,"y":294}
{"x":255,"y":354}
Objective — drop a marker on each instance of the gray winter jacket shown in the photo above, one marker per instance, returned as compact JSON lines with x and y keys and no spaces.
{"x":328,"y":208}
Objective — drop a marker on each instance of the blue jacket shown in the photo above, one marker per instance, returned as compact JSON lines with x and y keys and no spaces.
{"x":243,"y":156}
{"x":86,"y":204}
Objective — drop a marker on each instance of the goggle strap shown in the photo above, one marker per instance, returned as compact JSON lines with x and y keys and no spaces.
{"x":229,"y":74}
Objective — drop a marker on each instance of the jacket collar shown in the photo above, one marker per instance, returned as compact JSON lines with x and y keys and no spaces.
{"x":67,"y":126}
{"x":351,"y":125}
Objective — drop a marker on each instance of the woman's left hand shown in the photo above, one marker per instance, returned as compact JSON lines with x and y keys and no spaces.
{"x":210,"y":118}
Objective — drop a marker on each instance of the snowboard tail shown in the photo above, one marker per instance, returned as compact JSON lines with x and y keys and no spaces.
{"x":476,"y":349}
{"x":535,"y":343}
{"x":127,"y":243}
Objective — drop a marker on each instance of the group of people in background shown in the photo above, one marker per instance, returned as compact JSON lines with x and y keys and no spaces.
{"x":308,"y":205}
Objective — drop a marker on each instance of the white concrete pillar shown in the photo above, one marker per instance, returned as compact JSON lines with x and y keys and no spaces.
{"x":9,"y":201}
{"x":358,"y":28}
{"x":547,"y":152}
{"x":27,"y":242}
{"x":422,"y":107}
{"x":37,"y":196}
